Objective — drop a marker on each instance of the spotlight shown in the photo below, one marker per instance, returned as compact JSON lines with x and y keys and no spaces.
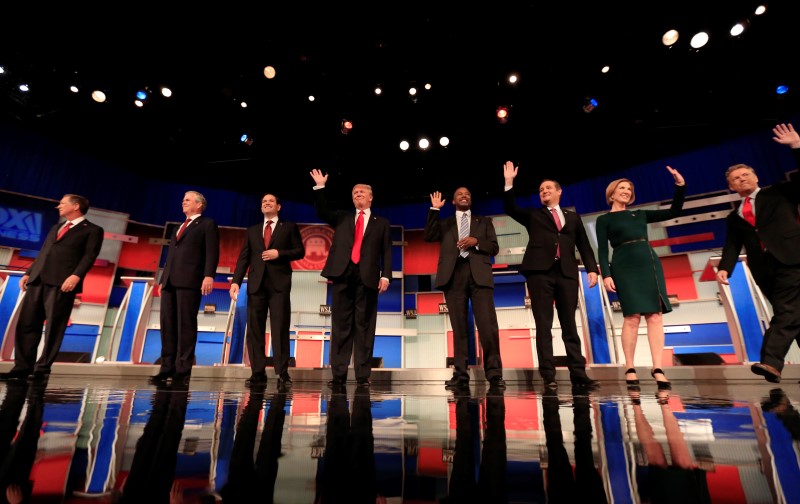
{"x":502,"y":114}
{"x":782,"y":89}
{"x":347,"y":126}
{"x":246,"y":139}
{"x":589,"y":104}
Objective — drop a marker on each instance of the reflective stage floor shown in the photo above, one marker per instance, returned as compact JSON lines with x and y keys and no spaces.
{"x":94,"y":437}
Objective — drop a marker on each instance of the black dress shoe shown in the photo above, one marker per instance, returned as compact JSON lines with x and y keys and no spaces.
{"x":363,"y":382}
{"x":14,"y":376}
{"x":769,"y":373}
{"x":256,"y":380}
{"x":457,"y":382}
{"x":161,"y":377}
{"x":550,"y":383}
{"x":584,"y":381}
{"x":39,"y":376}
{"x":497,"y":382}
{"x":285,"y":379}
{"x":180,"y":378}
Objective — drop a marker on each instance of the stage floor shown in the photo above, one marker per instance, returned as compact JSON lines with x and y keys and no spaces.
{"x":102,"y":434}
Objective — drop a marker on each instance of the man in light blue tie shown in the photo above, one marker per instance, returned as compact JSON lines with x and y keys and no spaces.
{"x":467,"y":244}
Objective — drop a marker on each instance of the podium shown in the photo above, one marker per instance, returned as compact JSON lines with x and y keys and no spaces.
{"x":10,"y":299}
{"x":233,"y":348}
{"x":746,"y":309}
{"x":130,"y":324}
{"x":592,"y":304}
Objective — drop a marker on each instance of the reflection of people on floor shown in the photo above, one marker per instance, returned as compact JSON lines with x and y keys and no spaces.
{"x":584,"y":483}
{"x":247,"y":478}
{"x":18,"y":447}
{"x":491,"y":484}
{"x":780,"y":405}
{"x":348,"y":467}
{"x":678,"y":480}
{"x":152,"y":473}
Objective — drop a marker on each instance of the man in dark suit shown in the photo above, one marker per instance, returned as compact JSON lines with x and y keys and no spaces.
{"x":187,"y":277}
{"x":268,"y":251}
{"x":766,"y":223}
{"x":551,"y":269}
{"x":359,"y":273}
{"x":50,"y":285}
{"x":467,"y":243}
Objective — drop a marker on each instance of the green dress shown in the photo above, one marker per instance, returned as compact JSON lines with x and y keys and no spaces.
{"x":636,"y":268}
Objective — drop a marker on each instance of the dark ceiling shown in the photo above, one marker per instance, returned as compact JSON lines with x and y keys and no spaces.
{"x":655,"y":102}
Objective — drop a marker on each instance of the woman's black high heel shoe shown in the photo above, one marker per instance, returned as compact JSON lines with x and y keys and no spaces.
{"x":662,"y":385}
{"x":632,"y":384}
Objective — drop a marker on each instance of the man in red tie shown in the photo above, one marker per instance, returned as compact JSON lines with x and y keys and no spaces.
{"x":50,"y":286}
{"x":551,"y":273}
{"x":267,"y":253}
{"x":188,"y":276}
{"x":765,"y":224}
{"x":359,"y":273}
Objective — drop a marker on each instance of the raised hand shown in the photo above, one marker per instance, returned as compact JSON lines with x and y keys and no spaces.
{"x":436,"y":200}
{"x":676,"y":175}
{"x":319,"y":178}
{"x":786,"y":135}
{"x":509,"y":172}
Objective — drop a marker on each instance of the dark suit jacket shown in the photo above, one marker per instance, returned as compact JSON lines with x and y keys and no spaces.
{"x":544,"y":239}
{"x":74,"y":254}
{"x":376,"y":249}
{"x":776,"y":227}
{"x":445,"y":231}
{"x":286,"y":239}
{"x":194,"y":256}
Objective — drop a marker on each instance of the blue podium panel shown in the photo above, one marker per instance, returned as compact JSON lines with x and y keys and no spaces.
{"x":745,"y":307}
{"x":208,"y":350}
{"x":9,"y":295}
{"x":239,"y":327}
{"x":136,"y":300}
{"x":391,"y":349}
{"x":596,"y":322}
{"x":80,"y":338}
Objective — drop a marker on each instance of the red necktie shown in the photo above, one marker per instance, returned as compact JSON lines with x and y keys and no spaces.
{"x":747,"y":212}
{"x":558,"y":225}
{"x":359,"y":237}
{"x":183,"y":227}
{"x":63,"y":230}
{"x":267,"y":233}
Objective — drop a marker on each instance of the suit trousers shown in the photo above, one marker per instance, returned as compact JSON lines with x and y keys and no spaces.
{"x":782,"y":288}
{"x":354,"y":316}
{"x":179,"y":310}
{"x":546,"y":288}
{"x":266,"y":301}
{"x":42,"y":302}
{"x":458,"y":293}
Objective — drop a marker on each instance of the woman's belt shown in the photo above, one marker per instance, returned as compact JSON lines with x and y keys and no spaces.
{"x":637,"y":240}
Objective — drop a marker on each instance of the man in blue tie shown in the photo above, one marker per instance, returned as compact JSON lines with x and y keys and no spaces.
{"x":467,"y":244}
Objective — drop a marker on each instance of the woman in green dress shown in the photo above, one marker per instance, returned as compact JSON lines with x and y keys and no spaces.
{"x":635,"y":273}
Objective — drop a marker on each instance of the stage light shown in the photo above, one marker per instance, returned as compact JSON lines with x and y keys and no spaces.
{"x":502,"y":114}
{"x":670,"y":37}
{"x":347,"y":126}
{"x":98,"y":96}
{"x":589,"y":104}
{"x":246,"y":139}
{"x":424,"y":143}
{"x":444,"y":141}
{"x":166,"y":92}
{"x":782,"y":89}
{"x":269,"y":72}
{"x":141,"y":95}
{"x":404,"y":145}
{"x":699,"y":40}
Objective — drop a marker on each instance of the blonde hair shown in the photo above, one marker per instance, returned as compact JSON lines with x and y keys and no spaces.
{"x":613,"y":187}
